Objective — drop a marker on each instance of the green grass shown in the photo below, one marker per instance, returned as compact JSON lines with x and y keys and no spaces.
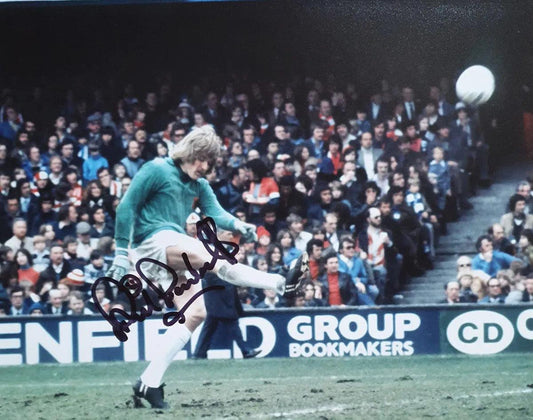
{"x":455,"y":387}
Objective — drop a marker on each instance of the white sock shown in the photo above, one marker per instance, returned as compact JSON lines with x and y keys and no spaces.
{"x":243,"y":275}
{"x":170,"y":344}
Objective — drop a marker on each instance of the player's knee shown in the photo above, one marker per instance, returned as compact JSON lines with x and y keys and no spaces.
{"x":195,"y":316}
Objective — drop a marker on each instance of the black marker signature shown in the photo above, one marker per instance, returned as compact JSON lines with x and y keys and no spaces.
{"x":132,"y":286}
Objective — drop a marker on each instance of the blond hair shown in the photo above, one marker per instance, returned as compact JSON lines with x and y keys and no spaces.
{"x":200,"y":144}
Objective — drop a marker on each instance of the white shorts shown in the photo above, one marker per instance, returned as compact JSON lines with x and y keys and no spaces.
{"x":155,"y":247}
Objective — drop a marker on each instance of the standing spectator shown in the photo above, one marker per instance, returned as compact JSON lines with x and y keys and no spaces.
{"x":338,"y":289}
{"x":495,"y":292}
{"x":368,"y":155}
{"x":20,"y":239}
{"x":439,"y":176}
{"x":516,"y":220}
{"x":133,"y":160}
{"x":94,"y":162}
{"x":262,"y":189}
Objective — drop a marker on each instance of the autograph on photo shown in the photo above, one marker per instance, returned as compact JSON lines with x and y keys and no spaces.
{"x":142,"y":305}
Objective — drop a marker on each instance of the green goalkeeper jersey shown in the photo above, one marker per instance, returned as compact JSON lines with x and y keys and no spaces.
{"x":161,"y":196}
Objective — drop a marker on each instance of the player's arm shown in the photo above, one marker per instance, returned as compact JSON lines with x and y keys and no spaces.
{"x":140,"y":189}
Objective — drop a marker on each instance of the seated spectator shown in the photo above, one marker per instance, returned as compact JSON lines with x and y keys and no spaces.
{"x":46,"y":214}
{"x":270,"y":221}
{"x":36,"y":309}
{"x":316,"y":267}
{"x":133,"y":161}
{"x":24,"y":263}
{"x":103,"y":302}
{"x":101,"y":226}
{"x":524,"y":189}
{"x":229,"y":194}
{"x":321,"y":205}
{"x":338,"y":289}
{"x":296,"y":229}
{"x":16,"y":299}
{"x":350,"y":263}
{"x":109,"y":186}
{"x":466,"y":281}
{"x":274,"y":257}
{"x":77,"y":305}
{"x":272,"y":300}
{"x":75,"y":190}
{"x":94,"y":162}
{"x":516,"y":220}
{"x":95,"y":269}
{"x":524,"y":249}
{"x":290,"y":252}
{"x":56,"y":305}
{"x":19,"y":239}
{"x":56,"y":270}
{"x":262,"y":189}
{"x":41,"y":254}
{"x":67,"y":217}
{"x":86,"y":244}
{"x":527,"y":295}
{"x":106,"y":246}
{"x":291,"y":201}
{"x":312,"y":295}
{"x":495,"y":294}
{"x":70,"y":245}
{"x":451,"y":290}
{"x":488,"y":260}
{"x":499,"y":241}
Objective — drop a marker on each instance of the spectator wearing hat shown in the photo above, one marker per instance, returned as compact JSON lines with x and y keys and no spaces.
{"x":36,"y":309}
{"x":94,"y":125}
{"x":42,"y":184}
{"x":20,"y":239}
{"x":94,"y":162}
{"x":86,"y":244}
{"x":516,"y":220}
{"x":55,"y":305}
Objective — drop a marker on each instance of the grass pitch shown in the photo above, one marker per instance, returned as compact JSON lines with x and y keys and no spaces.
{"x":454,"y":387}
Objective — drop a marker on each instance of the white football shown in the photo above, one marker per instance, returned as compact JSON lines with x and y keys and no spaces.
{"x":475,"y":85}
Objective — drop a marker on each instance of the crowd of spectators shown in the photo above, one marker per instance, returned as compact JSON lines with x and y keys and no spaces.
{"x":502,"y":269}
{"x":365,"y":183}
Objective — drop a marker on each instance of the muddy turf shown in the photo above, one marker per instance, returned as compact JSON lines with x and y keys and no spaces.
{"x":454,"y":387}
